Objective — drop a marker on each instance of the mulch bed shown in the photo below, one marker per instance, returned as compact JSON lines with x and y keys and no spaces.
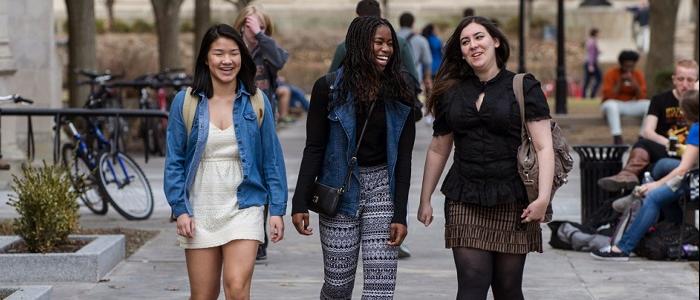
{"x":135,"y":238}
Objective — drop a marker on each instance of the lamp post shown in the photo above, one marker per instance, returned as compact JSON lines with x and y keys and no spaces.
{"x":561,"y":89}
{"x":521,"y":38}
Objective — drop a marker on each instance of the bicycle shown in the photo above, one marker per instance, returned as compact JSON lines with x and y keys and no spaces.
{"x":109,"y":175}
{"x":17,"y":99}
{"x":103,"y":95}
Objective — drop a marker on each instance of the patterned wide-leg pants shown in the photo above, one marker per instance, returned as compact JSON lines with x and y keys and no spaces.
{"x":342,"y":236}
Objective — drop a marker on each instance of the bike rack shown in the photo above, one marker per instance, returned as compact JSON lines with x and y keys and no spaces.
{"x":59,"y":113}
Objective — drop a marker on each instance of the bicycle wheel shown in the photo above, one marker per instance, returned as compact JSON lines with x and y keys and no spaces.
{"x":125,"y":186}
{"x":88,"y":187}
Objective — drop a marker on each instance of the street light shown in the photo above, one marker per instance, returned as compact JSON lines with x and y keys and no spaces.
{"x":561,"y":89}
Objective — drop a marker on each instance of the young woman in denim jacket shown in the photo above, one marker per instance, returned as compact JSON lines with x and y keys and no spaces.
{"x":663,"y":193}
{"x":372,"y":211}
{"x":215,"y":179}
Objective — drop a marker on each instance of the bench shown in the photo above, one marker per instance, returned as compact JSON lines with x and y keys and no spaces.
{"x":581,"y":120}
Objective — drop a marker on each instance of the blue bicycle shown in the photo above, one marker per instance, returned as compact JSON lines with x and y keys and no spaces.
{"x":102,"y":174}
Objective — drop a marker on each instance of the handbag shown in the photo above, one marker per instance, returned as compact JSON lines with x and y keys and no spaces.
{"x":528,"y":167}
{"x":325,"y":199}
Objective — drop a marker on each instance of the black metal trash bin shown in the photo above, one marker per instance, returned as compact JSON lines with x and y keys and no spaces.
{"x":597,"y":161}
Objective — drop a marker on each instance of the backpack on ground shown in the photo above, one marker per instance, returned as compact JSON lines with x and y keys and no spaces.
{"x":666,"y":240}
{"x":189,"y":108}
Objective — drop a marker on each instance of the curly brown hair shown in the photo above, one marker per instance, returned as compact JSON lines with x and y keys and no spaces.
{"x":689,"y":105}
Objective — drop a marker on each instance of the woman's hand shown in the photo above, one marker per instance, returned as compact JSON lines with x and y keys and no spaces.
{"x":535,"y":212}
{"x":276,"y":228}
{"x":397,"y":232}
{"x":643,"y":189}
{"x":425,"y":214}
{"x":301,"y":223}
{"x":185,"y":226}
{"x":252,"y":22}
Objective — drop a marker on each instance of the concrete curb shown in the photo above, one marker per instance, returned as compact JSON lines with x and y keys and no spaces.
{"x":89,"y":264}
{"x":36,"y":292}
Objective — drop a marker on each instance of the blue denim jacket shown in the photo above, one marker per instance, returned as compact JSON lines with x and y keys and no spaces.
{"x":264,"y":174}
{"x":342,"y":142}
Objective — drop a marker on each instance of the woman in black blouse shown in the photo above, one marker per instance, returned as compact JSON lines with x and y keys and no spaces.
{"x":490,"y":225}
{"x":372,"y":211}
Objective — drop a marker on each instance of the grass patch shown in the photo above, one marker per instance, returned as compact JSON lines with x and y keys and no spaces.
{"x":135,"y":238}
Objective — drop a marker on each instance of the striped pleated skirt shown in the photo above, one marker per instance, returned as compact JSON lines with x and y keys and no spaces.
{"x":496,"y":228}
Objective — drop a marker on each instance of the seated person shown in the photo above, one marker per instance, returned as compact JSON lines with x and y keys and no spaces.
{"x":624,"y":93}
{"x":664,"y":119}
{"x":662,"y":192}
{"x":290,"y":97}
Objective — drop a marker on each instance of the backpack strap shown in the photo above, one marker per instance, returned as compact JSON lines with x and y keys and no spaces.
{"x":520,"y":96}
{"x":409,"y":37}
{"x":258,"y":103}
{"x":189,"y":108}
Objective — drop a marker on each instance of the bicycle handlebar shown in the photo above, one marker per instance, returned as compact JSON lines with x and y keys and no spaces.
{"x":16,"y":99}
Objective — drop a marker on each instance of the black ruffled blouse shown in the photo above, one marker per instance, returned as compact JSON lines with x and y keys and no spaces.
{"x":486,"y":141}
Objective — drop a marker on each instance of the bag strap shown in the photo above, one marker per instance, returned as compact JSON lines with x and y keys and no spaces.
{"x":520,"y":96}
{"x":189,"y":108}
{"x":353,"y":160}
{"x":258,"y":105}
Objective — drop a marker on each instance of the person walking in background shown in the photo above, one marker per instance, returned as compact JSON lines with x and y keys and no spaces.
{"x":269,"y":58}
{"x":422,"y":57}
{"x":436,"y":52}
{"x":663,"y":192}
{"x":624,"y":93}
{"x":290,"y":96}
{"x":369,"y":88}
{"x":489,"y":224}
{"x":641,"y":25}
{"x":663,"y":121}
{"x":591,"y":68}
{"x":435,"y":47}
{"x":214,"y":169}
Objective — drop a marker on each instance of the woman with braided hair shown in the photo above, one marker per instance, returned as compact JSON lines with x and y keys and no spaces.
{"x":371,"y":86}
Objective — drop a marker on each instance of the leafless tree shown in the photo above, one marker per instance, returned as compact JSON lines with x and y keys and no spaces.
{"x":202,"y":21}
{"x":662,"y":24}
{"x":109,"y":4}
{"x":167,"y":13}
{"x":240,"y":4}
{"x":81,"y":46}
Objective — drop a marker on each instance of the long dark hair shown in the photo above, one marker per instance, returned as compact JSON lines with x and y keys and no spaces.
{"x":202,"y":76}
{"x":361,"y":77}
{"x":454,"y":66}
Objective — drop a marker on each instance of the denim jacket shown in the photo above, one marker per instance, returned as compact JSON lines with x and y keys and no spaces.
{"x":264,"y":174}
{"x":342,"y":142}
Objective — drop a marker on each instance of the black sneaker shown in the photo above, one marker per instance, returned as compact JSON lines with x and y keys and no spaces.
{"x":607,"y":254}
{"x":262,"y":253}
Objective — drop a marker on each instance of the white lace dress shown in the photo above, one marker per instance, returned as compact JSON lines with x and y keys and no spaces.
{"x":217,"y":218}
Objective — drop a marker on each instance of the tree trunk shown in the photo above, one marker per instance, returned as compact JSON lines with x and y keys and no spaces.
{"x":202,"y":21}
{"x":110,"y":13}
{"x":697,"y":32}
{"x":167,"y":13}
{"x":81,"y":46}
{"x":662,"y":24}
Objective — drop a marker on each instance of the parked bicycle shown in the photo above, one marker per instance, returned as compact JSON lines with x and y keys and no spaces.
{"x":105,"y":174}
{"x":17,"y":99}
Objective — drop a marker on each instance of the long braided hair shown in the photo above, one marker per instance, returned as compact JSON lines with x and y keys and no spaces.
{"x":361,"y":77}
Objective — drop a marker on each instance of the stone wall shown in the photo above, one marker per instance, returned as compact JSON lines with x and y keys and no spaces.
{"x":29,"y":66}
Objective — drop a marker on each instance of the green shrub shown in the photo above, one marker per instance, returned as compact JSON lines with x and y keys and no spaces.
{"x":141,"y":26}
{"x":186,"y":26}
{"x":120,"y":26}
{"x":47,"y":207}
{"x":100,"y":26}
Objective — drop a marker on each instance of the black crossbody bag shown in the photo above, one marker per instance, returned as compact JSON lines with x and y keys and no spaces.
{"x":325,"y":199}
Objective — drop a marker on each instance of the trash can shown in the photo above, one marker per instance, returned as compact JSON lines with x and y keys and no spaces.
{"x":597,"y":161}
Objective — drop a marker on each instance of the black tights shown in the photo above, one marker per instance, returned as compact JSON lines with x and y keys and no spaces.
{"x":477,"y":270}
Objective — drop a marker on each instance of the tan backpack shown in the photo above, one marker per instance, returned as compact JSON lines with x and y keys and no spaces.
{"x":189,"y":107}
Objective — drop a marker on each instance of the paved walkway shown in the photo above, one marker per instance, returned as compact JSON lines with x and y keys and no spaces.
{"x":294,"y":268}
